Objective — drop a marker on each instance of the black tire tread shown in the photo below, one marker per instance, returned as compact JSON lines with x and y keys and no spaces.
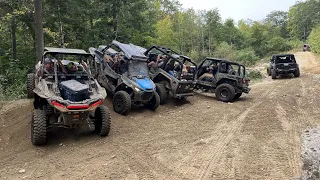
{"x":127,"y":103}
{"x":231,"y":89}
{"x":161,"y":90}
{"x":105,"y":121}
{"x":154,"y":103}
{"x":273,"y":74}
{"x":297,"y":73}
{"x":39,"y":127}
{"x":30,"y":85}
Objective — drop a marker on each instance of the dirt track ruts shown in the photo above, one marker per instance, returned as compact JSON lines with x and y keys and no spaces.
{"x":257,"y":137}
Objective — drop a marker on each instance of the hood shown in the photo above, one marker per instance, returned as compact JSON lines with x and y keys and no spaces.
{"x":145,"y":83}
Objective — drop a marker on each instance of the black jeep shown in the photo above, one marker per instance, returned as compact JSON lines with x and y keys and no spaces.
{"x":283,"y":64}
{"x":226,"y":79}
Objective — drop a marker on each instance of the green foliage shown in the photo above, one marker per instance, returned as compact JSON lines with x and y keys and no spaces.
{"x":295,"y":43}
{"x":246,"y":56}
{"x":278,"y":44}
{"x":314,"y":39}
{"x":254,"y":74}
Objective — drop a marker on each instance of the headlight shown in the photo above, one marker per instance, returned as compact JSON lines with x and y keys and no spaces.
{"x":137,"y":89}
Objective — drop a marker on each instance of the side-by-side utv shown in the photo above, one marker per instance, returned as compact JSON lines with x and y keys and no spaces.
{"x":127,"y":78}
{"x":65,"y":94}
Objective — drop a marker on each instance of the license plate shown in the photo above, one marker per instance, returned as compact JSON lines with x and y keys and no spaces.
{"x":286,"y":64}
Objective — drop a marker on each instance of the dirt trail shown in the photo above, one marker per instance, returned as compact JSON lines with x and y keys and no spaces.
{"x":257,"y":137}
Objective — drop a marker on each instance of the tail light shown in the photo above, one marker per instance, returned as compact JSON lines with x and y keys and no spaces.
{"x":96,"y":103}
{"x":56,"y":104}
{"x":244,"y":80}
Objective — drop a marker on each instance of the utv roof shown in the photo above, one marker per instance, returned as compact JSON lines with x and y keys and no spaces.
{"x":169,"y":51}
{"x":106,"y":49}
{"x":65,"y":51}
{"x":130,"y":51}
{"x":222,"y":60}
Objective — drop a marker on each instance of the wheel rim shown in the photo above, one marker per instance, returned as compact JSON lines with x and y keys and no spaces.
{"x":224,"y":93}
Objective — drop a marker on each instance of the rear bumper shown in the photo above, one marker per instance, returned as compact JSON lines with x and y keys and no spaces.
{"x":246,"y":89}
{"x":286,"y":71}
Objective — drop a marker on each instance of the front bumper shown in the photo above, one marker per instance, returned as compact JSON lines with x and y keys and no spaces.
{"x":143,"y":97}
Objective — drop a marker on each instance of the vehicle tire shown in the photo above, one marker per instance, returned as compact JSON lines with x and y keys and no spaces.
{"x":39,"y":127}
{"x":237,"y":96}
{"x":30,"y":85}
{"x":297,"y":73}
{"x":161,"y":90}
{"x":273,"y":74}
{"x":154,"y":103}
{"x":122,"y":102}
{"x":225,"y":92}
{"x":268,"y":72}
{"x":102,"y":121}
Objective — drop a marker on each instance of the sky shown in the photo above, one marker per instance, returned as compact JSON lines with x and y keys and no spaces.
{"x":240,"y":9}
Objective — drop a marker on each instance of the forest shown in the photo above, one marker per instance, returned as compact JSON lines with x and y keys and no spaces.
{"x":196,"y":33}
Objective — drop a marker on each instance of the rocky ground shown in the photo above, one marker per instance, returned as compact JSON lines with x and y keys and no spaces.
{"x":256,"y":137}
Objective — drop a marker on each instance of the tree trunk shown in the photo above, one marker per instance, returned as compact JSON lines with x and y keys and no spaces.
{"x":38,"y":30}
{"x":14,"y":38}
{"x":115,"y":24}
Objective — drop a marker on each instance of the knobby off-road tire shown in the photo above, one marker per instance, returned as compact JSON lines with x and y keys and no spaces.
{"x":273,"y":74}
{"x":268,"y":72}
{"x":161,"y":90}
{"x":297,"y":73}
{"x":237,"y":96}
{"x":39,"y":127}
{"x":122,"y":102}
{"x":102,"y":121}
{"x":30,"y":85}
{"x":154,"y":103}
{"x":225,"y":92}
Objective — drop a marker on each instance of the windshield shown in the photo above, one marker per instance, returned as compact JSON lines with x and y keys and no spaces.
{"x":138,"y":68}
{"x":285,"y":59}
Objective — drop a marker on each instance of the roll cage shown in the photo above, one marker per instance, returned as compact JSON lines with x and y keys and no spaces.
{"x":222,"y":66}
{"x":173,"y":55}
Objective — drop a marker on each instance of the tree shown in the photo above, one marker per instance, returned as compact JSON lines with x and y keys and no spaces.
{"x":38,"y":29}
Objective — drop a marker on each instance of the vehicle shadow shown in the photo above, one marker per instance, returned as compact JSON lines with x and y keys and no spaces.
{"x":62,"y":136}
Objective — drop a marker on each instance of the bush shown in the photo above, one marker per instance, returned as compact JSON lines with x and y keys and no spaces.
{"x":295,"y":43}
{"x":13,"y":82}
{"x":247,"y":57}
{"x":225,"y":51}
{"x":278,"y":44}
{"x":314,"y":39}
{"x":254,"y":74}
